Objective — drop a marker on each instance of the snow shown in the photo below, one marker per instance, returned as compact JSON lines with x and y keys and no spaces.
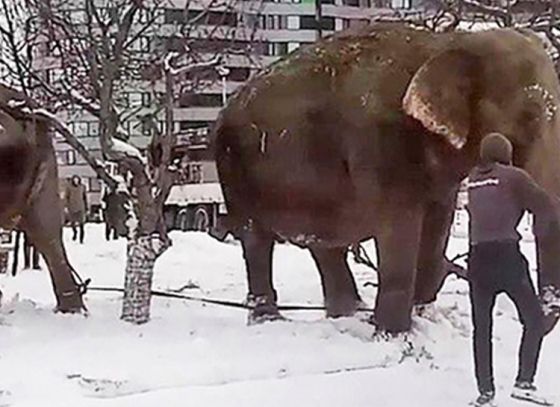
{"x":209,"y":192}
{"x":196,"y":355}
{"x":84,"y":101}
{"x":128,"y":150}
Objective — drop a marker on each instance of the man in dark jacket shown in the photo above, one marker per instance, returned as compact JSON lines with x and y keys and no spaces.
{"x":111,"y":208}
{"x":30,"y":254}
{"x":499,"y":195}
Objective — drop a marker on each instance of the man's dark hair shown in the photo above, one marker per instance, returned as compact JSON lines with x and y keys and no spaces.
{"x":496,"y":148}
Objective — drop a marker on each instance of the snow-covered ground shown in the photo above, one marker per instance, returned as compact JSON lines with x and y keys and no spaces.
{"x":196,"y":355}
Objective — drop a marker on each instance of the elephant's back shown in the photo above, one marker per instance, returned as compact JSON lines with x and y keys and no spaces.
{"x":282,"y":141}
{"x":16,"y":155}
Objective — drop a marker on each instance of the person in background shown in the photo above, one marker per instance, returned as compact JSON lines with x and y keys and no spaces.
{"x":498,"y":196}
{"x":76,"y":207}
{"x":30,"y":254}
{"x":110,"y":213}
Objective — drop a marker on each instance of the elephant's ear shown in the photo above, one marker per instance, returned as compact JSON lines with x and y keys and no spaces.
{"x":440,"y":95}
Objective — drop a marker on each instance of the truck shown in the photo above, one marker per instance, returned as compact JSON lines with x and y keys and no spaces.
{"x":194,"y":206}
{"x":196,"y":201}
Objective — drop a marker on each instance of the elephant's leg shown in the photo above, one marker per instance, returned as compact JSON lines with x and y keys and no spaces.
{"x":432,"y":267}
{"x":257,"y":251}
{"x":398,"y":241}
{"x":339,"y":288}
{"x":43,"y":223}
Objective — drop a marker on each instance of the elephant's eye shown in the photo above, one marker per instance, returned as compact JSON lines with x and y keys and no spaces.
{"x":528,"y":116}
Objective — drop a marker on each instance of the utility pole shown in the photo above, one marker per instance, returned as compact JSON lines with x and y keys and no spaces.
{"x":509,"y":17}
{"x":169,"y":104}
{"x":223,"y":72}
{"x":319,"y":18}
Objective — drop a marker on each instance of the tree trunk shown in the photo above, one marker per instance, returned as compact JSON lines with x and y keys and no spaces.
{"x":142,"y":253}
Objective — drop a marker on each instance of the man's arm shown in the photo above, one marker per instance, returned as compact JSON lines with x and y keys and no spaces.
{"x":536,"y":200}
{"x":84,"y":197}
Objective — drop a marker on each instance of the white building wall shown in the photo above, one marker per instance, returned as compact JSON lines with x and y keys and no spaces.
{"x":290,"y":33}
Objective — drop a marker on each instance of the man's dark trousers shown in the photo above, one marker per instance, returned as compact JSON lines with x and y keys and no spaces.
{"x":496,"y":267}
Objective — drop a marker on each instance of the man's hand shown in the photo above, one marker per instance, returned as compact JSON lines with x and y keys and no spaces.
{"x":550,"y":302}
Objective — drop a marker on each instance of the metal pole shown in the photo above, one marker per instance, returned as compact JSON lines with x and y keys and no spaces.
{"x":223,"y":72}
{"x":169,"y":105}
{"x":319,"y":19}
{"x":224,"y":90}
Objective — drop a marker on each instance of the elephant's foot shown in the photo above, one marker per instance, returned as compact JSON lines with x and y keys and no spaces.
{"x":70,"y":302}
{"x":393,"y":311}
{"x":426,"y":292}
{"x":343,"y":306}
{"x":262,"y":308}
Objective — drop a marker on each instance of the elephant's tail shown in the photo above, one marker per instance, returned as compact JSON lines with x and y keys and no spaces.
{"x":232,"y":175}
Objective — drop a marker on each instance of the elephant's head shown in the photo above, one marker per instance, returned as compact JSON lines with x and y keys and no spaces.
{"x":494,"y":81}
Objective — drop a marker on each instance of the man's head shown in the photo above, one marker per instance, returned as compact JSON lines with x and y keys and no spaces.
{"x":496,"y":148}
{"x":76,"y":180}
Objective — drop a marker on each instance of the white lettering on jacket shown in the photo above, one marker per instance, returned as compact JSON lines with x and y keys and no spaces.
{"x":483,"y":183}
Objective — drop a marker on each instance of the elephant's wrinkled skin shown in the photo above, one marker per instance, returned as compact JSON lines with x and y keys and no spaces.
{"x":29,"y":191}
{"x":369,"y":133}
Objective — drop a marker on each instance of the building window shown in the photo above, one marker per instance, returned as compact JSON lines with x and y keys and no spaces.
{"x":81,"y":129}
{"x":70,"y":157}
{"x":239,"y":74}
{"x":406,"y":4}
{"x":93,"y":129}
{"x":309,"y":23}
{"x":84,"y":129}
{"x":274,"y":48}
{"x":273,"y":22}
{"x":195,"y":173}
{"x":174,"y":16}
{"x":193,"y":124}
{"x":134,"y":99}
{"x":146,"y":99}
{"x":142,"y":44}
{"x":146,"y":127}
{"x":190,"y":173}
{"x":200,"y":100}
{"x":144,"y":16}
{"x":219,"y":18}
{"x":94,"y":185}
{"x":293,"y":22}
{"x":351,"y":3}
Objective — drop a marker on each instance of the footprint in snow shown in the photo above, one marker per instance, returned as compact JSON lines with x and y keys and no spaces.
{"x":107,"y":388}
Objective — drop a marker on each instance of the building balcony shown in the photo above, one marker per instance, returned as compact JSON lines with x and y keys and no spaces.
{"x":197,"y":113}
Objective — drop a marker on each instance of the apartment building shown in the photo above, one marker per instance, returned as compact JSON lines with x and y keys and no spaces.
{"x":281,"y":26}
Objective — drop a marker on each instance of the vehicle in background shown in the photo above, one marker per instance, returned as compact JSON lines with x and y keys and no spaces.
{"x":196,"y":201}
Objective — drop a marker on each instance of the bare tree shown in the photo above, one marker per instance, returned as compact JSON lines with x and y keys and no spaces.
{"x":99,"y":51}
{"x":541,"y":16}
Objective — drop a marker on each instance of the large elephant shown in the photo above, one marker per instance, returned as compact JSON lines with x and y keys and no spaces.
{"x":369,"y":134}
{"x":29,"y":190}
